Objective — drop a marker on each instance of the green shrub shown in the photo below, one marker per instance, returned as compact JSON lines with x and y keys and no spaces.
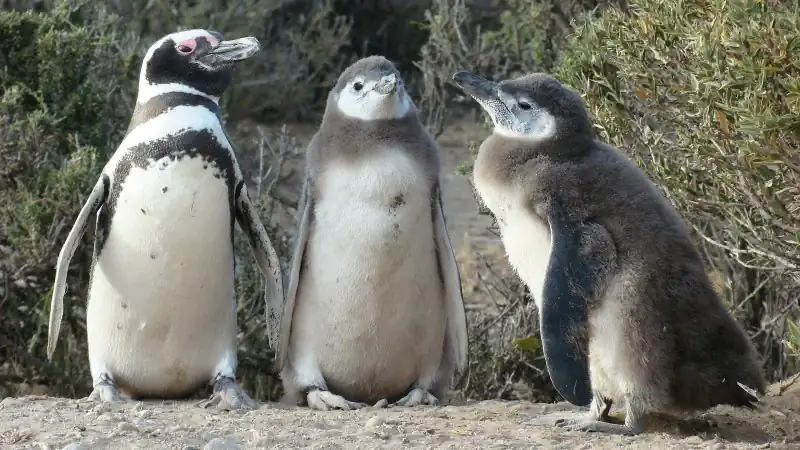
{"x":62,"y":90}
{"x":526,"y":35}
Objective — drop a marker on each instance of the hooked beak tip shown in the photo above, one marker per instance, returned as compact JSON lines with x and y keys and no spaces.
{"x":387,"y":85}
{"x":236,"y":50}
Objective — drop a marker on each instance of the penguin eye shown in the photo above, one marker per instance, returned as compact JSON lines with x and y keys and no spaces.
{"x":357,"y":86}
{"x":524,"y":105}
{"x":186,"y":47}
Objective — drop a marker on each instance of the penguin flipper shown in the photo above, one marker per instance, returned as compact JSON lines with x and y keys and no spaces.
{"x":564,"y":313}
{"x":266,"y":257}
{"x":454,"y":299}
{"x":304,"y":208}
{"x":96,"y":199}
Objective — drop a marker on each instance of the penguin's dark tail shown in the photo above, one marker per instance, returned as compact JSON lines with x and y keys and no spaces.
{"x":750,"y":398}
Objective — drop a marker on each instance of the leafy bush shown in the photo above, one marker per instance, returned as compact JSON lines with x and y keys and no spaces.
{"x":62,"y":87}
{"x":526,"y":35}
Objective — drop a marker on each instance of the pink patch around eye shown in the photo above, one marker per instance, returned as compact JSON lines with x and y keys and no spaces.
{"x":212,"y":40}
{"x":187,"y":46}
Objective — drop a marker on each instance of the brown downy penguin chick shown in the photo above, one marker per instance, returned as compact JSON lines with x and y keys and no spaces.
{"x":608,"y":260}
{"x":374,"y":309}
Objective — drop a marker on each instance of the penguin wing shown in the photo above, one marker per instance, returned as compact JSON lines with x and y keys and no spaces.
{"x":564,"y":313}
{"x":454,"y":299}
{"x":304,"y":209}
{"x":96,"y":199}
{"x":266,"y":256}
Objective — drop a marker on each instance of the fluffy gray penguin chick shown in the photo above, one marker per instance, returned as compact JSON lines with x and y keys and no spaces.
{"x":627,"y":311}
{"x":374,"y":310}
{"x":161,"y":313}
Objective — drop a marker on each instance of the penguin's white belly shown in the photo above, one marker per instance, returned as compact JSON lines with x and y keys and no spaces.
{"x":161,"y":312}
{"x":526,"y":238}
{"x":370,"y":308}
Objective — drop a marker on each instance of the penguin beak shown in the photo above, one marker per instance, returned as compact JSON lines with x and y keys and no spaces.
{"x":481,"y":89}
{"x":386,"y":85}
{"x":225,"y":53}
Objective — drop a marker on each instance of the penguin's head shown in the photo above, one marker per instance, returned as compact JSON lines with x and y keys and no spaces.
{"x":534,"y":106}
{"x":195,"y":61}
{"x":371,"y":89}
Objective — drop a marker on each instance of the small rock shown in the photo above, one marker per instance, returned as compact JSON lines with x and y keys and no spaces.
{"x":101,"y":408}
{"x":104,"y":418}
{"x":144,"y":413}
{"x":693,"y":440}
{"x":374,"y":422}
{"x":75,"y":446}
{"x":122,"y":428}
{"x":125,"y":426}
{"x":223,"y":444}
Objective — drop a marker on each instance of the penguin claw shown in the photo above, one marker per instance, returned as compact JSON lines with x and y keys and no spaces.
{"x":106,"y":392}
{"x":417,"y":397}
{"x":326,"y":400}
{"x":591,"y":425}
{"x":227,"y":396}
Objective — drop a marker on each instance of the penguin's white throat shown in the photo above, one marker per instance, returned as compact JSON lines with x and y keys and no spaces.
{"x":148,"y":91}
{"x":375,"y":105}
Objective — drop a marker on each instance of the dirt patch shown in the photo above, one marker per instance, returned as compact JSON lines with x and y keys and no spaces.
{"x":51,"y":423}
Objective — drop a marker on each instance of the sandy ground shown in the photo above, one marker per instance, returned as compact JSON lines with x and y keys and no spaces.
{"x":40,"y":422}
{"x":50,"y":423}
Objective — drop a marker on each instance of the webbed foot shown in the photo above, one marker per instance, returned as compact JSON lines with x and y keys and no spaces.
{"x":417,"y":397}
{"x":228,"y":395}
{"x":327,"y":400}
{"x":105,"y":390}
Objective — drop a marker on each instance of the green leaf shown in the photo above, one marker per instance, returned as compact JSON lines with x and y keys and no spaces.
{"x":530,"y":343}
{"x":793,"y":335}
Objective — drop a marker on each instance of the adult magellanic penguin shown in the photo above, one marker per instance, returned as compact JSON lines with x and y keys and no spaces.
{"x":628,"y":313}
{"x":161,"y":314}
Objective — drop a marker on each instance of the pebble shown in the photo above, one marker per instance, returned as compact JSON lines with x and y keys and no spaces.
{"x":693,"y":440}
{"x":223,"y":444}
{"x":122,"y":428}
{"x":104,"y":418}
{"x":101,"y":408}
{"x":125,"y":426}
{"x":75,"y":446}
{"x":374,"y":422}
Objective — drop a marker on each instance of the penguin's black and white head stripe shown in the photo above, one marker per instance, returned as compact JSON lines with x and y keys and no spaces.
{"x":195,"y":62}
{"x":534,"y":106}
